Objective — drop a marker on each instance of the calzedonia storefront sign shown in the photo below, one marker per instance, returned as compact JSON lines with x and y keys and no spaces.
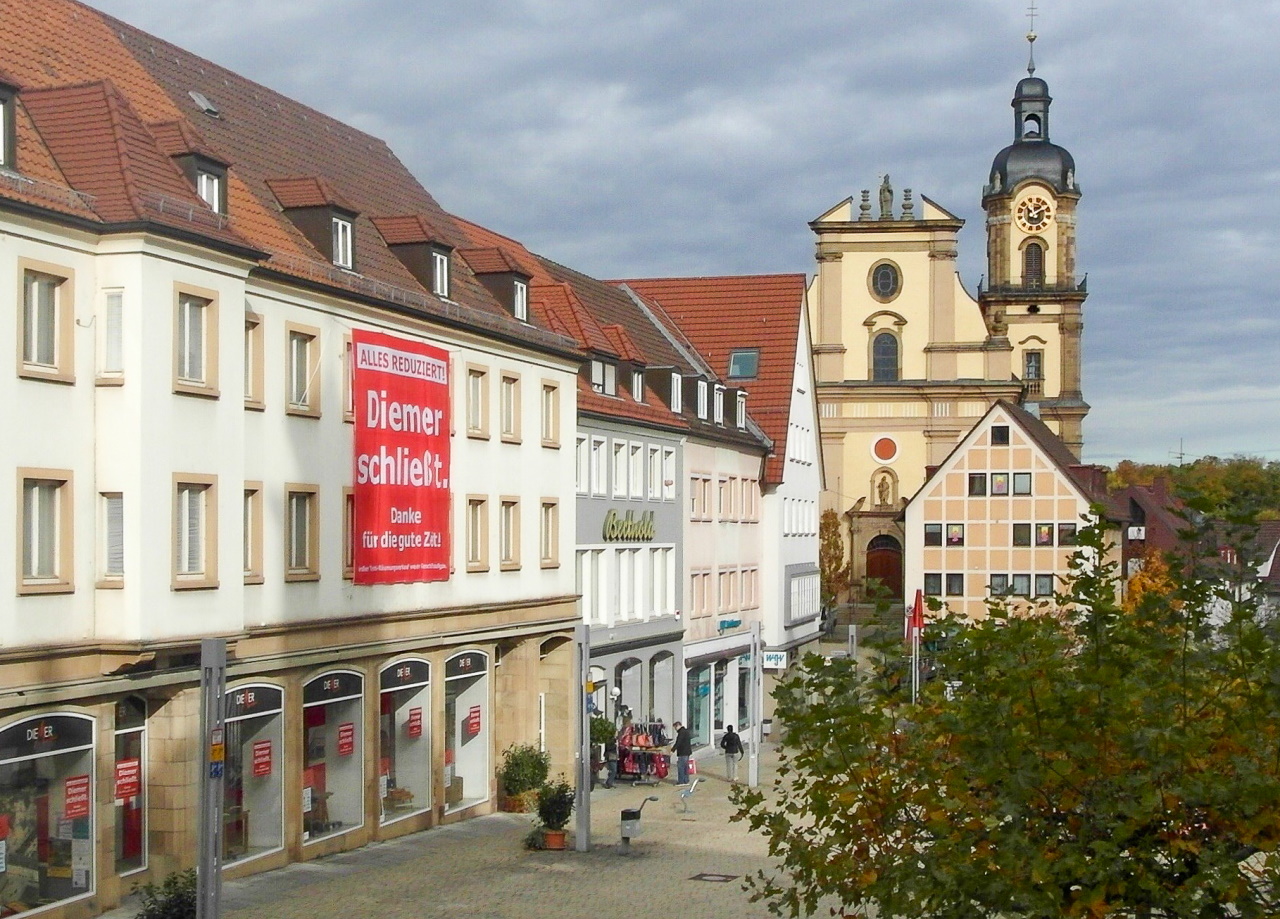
{"x":629,"y":527}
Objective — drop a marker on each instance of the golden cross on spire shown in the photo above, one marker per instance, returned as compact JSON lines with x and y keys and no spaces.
{"x":1031,"y":39}
{"x":1031,"y":15}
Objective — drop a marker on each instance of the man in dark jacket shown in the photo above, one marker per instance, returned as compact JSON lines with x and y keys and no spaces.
{"x":683,"y":749}
{"x":731,"y":744}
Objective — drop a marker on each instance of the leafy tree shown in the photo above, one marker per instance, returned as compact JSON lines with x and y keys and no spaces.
{"x":834,"y":569}
{"x":1152,"y":578}
{"x":1076,"y":760}
{"x":1238,"y":480}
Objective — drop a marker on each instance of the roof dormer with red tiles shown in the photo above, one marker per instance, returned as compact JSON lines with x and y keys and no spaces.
{"x":8,"y":123}
{"x":321,"y":215}
{"x":501,"y":274}
{"x":204,"y":169}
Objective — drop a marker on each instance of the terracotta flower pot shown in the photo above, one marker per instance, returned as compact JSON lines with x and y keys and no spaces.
{"x":554,"y":839}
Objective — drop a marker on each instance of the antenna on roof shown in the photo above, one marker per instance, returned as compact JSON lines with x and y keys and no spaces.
{"x":203,"y":103}
{"x":1031,"y":40}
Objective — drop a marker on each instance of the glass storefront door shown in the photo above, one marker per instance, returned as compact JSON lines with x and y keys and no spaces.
{"x":333,"y":755}
{"x":404,"y":739}
{"x":698,"y":698}
{"x":130,"y":783}
{"x":253,"y":793}
{"x":466,"y":726}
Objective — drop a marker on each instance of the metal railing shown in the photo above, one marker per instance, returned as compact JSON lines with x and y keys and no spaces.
{"x":49,"y":191}
{"x":1033,"y":287}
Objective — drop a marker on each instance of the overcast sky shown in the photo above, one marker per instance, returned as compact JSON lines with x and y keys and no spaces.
{"x":686,"y":137}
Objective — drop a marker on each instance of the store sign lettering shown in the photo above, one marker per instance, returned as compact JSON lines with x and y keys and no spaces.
{"x":41,"y":732}
{"x":628,"y":528}
{"x":128,"y":779}
{"x":261,"y":758}
{"x":76,"y":797}
{"x":413,"y":727}
{"x":346,"y":738}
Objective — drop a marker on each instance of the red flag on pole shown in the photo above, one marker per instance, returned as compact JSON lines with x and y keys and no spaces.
{"x":917,"y":613}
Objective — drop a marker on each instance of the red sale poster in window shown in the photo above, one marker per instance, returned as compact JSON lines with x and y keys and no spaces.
{"x":128,"y":778}
{"x":346,"y":738}
{"x":76,"y":797}
{"x":400,"y":393}
{"x":414,"y":724}
{"x":261,"y":758}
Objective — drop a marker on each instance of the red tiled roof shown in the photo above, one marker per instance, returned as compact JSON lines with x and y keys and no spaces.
{"x":177,"y":138}
{"x":404,"y":229}
{"x":722,"y":314}
{"x":490,"y":260}
{"x":307,"y":191}
{"x":561,"y":300}
{"x":623,"y":344}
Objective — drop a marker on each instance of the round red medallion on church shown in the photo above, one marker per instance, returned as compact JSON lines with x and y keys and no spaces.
{"x":885,"y":449}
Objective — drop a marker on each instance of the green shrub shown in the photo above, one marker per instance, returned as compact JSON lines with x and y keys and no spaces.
{"x":602,"y":729}
{"x":555,"y":804}
{"x":524,"y":768}
{"x":174,"y":898}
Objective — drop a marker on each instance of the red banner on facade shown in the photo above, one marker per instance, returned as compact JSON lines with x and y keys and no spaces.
{"x":400,"y":390}
{"x":346,"y":738}
{"x":414,"y":726}
{"x":261,"y":758}
{"x":76,"y":802}
{"x":128,"y":778}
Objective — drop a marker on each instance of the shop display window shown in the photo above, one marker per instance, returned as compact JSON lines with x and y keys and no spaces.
{"x":332,"y":754}
{"x":130,"y":785}
{"x":404,"y":742}
{"x":253,"y":792}
{"x":698,"y":695}
{"x":466,"y":725}
{"x":46,"y":812}
{"x":744,"y":693}
{"x":721,"y":671}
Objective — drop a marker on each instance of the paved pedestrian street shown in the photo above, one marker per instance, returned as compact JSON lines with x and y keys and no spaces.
{"x":480,"y":868}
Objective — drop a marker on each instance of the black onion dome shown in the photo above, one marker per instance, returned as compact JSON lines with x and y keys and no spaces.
{"x":1033,"y":160}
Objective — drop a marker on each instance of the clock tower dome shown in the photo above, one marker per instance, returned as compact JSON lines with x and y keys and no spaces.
{"x":1032,"y":294}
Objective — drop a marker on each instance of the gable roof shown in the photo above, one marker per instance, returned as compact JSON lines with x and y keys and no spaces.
{"x":720,"y":315}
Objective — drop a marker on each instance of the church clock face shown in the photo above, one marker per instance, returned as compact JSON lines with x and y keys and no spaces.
{"x":1034,"y":214}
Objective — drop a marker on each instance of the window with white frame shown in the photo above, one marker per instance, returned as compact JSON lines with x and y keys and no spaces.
{"x":668,"y":474}
{"x":46,"y":326}
{"x":655,"y":473}
{"x":591,"y":577}
{"x":599,"y":466}
{"x":550,"y":414}
{"x":509,"y":407}
{"x":477,"y":541}
{"x":209,"y":188}
{"x":619,"y":468}
{"x":624,"y":597}
{"x":549,"y":534}
{"x":677,"y":393}
{"x":724,"y":590}
{"x":604,"y":378}
{"x":719,"y":405}
{"x":111,"y":337}
{"x":581,"y":465}
{"x":637,"y":470}
{"x":254,"y":363}
{"x":637,"y":385}
{"x":742,"y":411}
{"x":509,"y":534}
{"x":301,"y":533}
{"x":440,"y":273}
{"x":195,"y":358}
{"x":303,"y":396}
{"x":251,"y":535}
{"x":46,"y":550}
{"x":343,"y":247}
{"x":662,"y":569}
{"x":702,"y":399}
{"x":111,"y":560}
{"x":477,"y":402}
{"x":750,"y":588}
{"x":520,"y":300}
{"x":195,"y":532}
{"x":724,"y":499}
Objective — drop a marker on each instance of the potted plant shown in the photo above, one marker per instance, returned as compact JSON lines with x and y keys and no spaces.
{"x":523,"y":771}
{"x":555,"y":805}
{"x":602,"y":731}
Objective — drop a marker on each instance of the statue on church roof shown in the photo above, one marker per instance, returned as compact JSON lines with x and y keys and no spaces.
{"x":886,"y":199}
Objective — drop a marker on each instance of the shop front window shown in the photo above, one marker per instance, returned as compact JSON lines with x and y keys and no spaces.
{"x":333,"y":761}
{"x":662,"y":673}
{"x":130,"y":785}
{"x":404,"y":739}
{"x":698,"y":695}
{"x":744,"y":695}
{"x":627,"y":677}
{"x":253,"y":793}
{"x":466,"y":725}
{"x":721,"y":671}
{"x":46,"y":811}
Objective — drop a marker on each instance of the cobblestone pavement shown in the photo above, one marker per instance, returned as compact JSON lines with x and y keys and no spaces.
{"x":481,"y":869}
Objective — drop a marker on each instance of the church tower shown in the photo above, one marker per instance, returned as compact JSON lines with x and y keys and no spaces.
{"x":1032,"y":294}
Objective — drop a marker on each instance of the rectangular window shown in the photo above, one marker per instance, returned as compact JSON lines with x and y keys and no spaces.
{"x":724,"y":589}
{"x":655,"y":473}
{"x":253,"y":362}
{"x":477,"y":533}
{"x":742,"y":411}
{"x":509,"y":408}
{"x":549,"y":534}
{"x":724,"y":500}
{"x":209,"y":188}
{"x":342,"y":244}
{"x":1022,"y":483}
{"x":668,"y":474}
{"x":1044,"y":585}
{"x":744,"y":363}
{"x":933,"y":534}
{"x":599,"y":466}
{"x":1020,"y":585}
{"x":677,"y":393}
{"x":604,"y":378}
{"x":619,"y":468}
{"x":1000,"y":435}
{"x":933,"y":585}
{"x":955,"y":534}
{"x":349,"y":382}
{"x":750,"y":588}
{"x":955,"y":585}
{"x":1022,"y":534}
{"x":1033,"y":365}
{"x":581,"y":465}
{"x":302,"y":533}
{"x":348,"y":533}
{"x":999,"y":483}
{"x":1066,"y":534}
{"x":195,"y":532}
{"x":196,"y":345}
{"x":440,"y":274}
{"x":550,"y":414}
{"x":999,"y":585}
{"x":702,"y":399}
{"x":251,"y":522}
{"x":718,"y":405}
{"x":520,"y":301}
{"x":1044,"y":534}
{"x":637,"y":470}
{"x":637,"y":385}
{"x":977,"y":484}
{"x":46,"y":327}
{"x":477,"y":402}
{"x":509,"y":534}
{"x":112,"y":559}
{"x":111,"y":340}
{"x":303,"y":374}
{"x":46,"y":531}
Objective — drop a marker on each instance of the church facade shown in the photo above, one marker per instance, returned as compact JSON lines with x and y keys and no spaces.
{"x":907,"y":360}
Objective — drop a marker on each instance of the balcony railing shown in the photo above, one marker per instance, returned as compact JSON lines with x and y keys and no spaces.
{"x":1033,"y":287}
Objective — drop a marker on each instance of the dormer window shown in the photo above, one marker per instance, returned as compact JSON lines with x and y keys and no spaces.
{"x":719,"y":405}
{"x":520,"y":300}
{"x":637,"y":385}
{"x":342,"y":243}
{"x":702,"y":399}
{"x":742,"y":411}
{"x":677,"y":393}
{"x":604,"y":378}
{"x":7,"y":145}
{"x":209,"y":187}
{"x":440,"y":273}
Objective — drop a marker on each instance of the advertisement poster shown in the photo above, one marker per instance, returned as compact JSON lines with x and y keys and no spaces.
{"x":473,"y":721}
{"x":346,"y":738}
{"x":77,"y":797}
{"x":400,"y":392}
{"x":128,"y":779}
{"x":414,"y":724}
{"x":261,"y":758}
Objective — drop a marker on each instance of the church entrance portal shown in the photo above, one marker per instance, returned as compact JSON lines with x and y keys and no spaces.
{"x":884,"y":563}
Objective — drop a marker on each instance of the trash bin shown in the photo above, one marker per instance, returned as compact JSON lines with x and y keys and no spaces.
{"x":630,"y":822}
{"x":766,"y":727}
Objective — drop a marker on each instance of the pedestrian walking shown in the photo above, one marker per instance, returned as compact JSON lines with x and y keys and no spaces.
{"x":731,"y":744}
{"x":683,"y":749}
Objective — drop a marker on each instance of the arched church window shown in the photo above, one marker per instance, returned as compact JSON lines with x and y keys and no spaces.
{"x":1033,"y":265}
{"x":884,"y":358}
